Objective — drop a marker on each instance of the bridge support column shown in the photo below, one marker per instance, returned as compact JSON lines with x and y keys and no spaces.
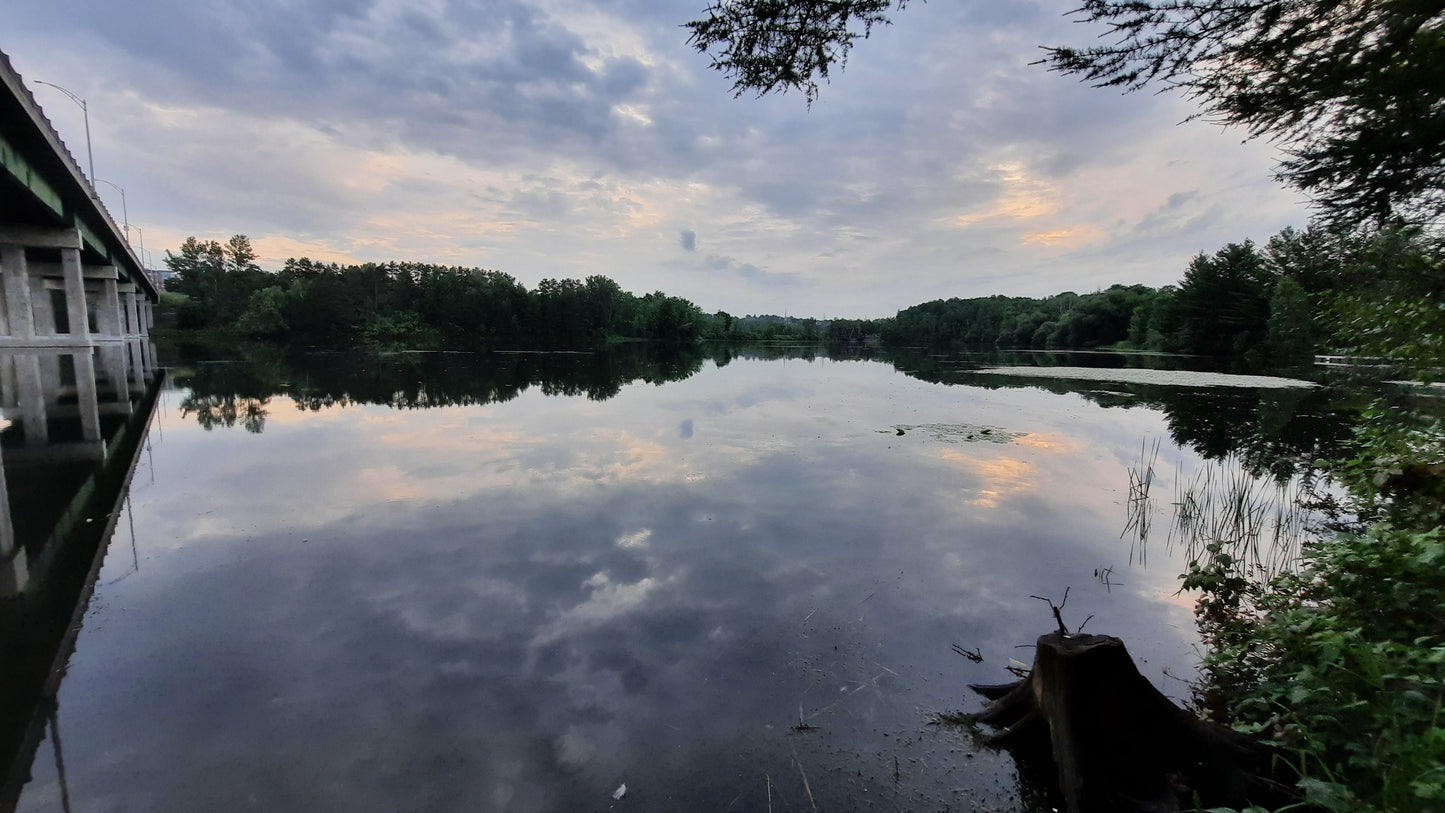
{"x":75,"y":309}
{"x":107,"y":312}
{"x":19,"y":313}
{"x":87,"y":398}
{"x":136,"y":350}
{"x":43,"y":305}
{"x":30,"y":399}
{"x":132,"y":308}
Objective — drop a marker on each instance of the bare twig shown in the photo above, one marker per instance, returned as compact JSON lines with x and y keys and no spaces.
{"x":1058,"y":610}
{"x":974,"y":655}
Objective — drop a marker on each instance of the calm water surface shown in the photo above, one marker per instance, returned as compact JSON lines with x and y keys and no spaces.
{"x":519,"y":581}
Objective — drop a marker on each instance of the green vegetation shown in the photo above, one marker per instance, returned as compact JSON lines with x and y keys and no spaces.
{"x":1065,"y":321}
{"x":220,"y":288}
{"x":415,"y":304}
{"x":1340,"y":661}
{"x":1378,"y":293}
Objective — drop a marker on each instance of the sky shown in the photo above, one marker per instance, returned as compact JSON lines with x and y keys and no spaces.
{"x":565,"y":138}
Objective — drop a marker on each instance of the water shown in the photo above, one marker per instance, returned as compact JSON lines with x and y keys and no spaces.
{"x":519,"y":581}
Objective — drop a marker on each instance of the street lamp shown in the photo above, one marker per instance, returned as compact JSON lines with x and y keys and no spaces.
{"x":85,"y":110}
{"x":142,"y":235}
{"x":125,"y":214}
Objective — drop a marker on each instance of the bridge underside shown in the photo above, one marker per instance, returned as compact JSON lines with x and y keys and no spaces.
{"x":69,"y":277}
{"x":52,"y":297}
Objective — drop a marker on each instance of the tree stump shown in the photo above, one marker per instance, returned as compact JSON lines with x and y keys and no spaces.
{"x":1116,"y":742}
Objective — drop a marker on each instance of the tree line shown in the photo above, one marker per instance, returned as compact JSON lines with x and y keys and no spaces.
{"x":1371,"y":292}
{"x":417,"y":304}
{"x":429,"y":306}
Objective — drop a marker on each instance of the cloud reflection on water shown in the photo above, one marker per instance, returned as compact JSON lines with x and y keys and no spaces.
{"x":523,"y":604}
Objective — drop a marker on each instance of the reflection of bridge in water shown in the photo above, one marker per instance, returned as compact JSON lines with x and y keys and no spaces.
{"x":75,"y":421}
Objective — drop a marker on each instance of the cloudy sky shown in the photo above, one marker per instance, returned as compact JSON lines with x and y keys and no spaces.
{"x":563,"y":138}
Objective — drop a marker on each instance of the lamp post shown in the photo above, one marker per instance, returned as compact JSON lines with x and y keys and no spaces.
{"x":145,"y":263}
{"x":85,"y":111}
{"x":124,"y":213}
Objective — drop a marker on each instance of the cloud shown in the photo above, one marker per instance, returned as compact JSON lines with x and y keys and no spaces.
{"x":554,"y":138}
{"x":750,"y":272}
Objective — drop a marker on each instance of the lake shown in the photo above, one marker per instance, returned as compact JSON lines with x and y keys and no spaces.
{"x":726,"y":579}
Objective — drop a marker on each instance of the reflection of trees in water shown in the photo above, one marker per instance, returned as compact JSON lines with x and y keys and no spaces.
{"x":225,"y":394}
{"x":774,"y":352}
{"x":226,"y":411}
{"x":1279,"y":432}
{"x":232,"y":393}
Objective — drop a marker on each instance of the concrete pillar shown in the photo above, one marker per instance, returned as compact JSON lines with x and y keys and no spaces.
{"x":109,"y":318}
{"x":151,"y":363}
{"x":30,"y":399}
{"x":75,"y":295}
{"x":148,"y":318}
{"x":40,"y":305}
{"x":132,"y":311}
{"x":18,"y":310}
{"x":137,"y":364}
{"x":8,"y":389}
{"x":86,"y":396}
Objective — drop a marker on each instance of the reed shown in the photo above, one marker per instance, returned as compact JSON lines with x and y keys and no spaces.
{"x":1141,"y":506}
{"x":1259,"y":521}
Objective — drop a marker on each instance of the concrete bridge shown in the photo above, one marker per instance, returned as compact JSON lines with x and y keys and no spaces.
{"x":70,"y":277}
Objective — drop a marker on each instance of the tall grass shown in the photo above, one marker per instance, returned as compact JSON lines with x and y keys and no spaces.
{"x":1141,"y":506}
{"x":1259,"y":521}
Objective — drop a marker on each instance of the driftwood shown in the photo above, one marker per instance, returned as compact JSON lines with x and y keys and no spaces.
{"x":1116,"y":742}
